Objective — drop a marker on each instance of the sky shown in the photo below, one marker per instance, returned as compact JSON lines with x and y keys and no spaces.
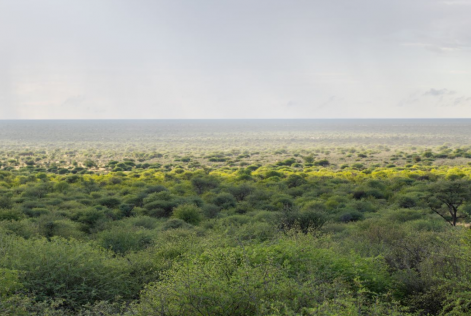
{"x":234,"y":59}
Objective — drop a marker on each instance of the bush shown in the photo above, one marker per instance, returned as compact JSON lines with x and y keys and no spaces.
{"x":121,"y":240}
{"x":189,"y":213}
{"x":160,"y":208}
{"x":288,"y":276}
{"x":90,"y":216}
{"x":10,"y":215}
{"x":144,"y":222}
{"x":175,"y":223}
{"x":66,"y":269}
{"x":211,"y":210}
{"x":304,"y":221}
{"x":405,"y":215}
{"x":294,"y":181}
{"x":6,"y":202}
{"x":322,"y":163}
{"x":351,"y":216}
{"x":156,"y":189}
{"x":110,"y":202}
{"x":225,"y":201}
{"x":283,"y":202}
{"x":9,"y":282}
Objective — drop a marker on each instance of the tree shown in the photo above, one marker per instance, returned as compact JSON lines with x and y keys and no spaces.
{"x":446,"y":197}
{"x":295,"y":180}
{"x":202,"y":184}
{"x":322,"y":163}
{"x":308,"y":159}
{"x":89,"y":163}
{"x":90,"y":186}
{"x":241,"y":192}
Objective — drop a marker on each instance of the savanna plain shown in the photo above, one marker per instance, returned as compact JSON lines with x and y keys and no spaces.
{"x":235,"y":217}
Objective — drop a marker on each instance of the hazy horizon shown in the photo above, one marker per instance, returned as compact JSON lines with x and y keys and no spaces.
{"x":230,"y":133}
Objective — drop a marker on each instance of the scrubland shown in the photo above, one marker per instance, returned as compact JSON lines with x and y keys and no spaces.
{"x":239,"y":226}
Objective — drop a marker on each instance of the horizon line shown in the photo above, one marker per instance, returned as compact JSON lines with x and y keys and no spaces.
{"x":234,"y":119}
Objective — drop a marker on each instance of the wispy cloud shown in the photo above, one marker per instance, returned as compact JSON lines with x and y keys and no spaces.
{"x":436,"y":97}
{"x":457,"y":2}
{"x":74,"y":101}
{"x":439,"y":47}
{"x":331,"y":101}
{"x":438,"y":92}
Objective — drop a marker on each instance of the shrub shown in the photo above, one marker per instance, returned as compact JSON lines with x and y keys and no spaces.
{"x":189,"y":213}
{"x":351,"y":216}
{"x":295,"y":180}
{"x":110,"y":202}
{"x":285,"y":278}
{"x":224,"y":201}
{"x":89,"y":217}
{"x":5,"y":202}
{"x":210,"y":210}
{"x":175,"y":223}
{"x":404,"y":215}
{"x":283,"y":202}
{"x":273,"y":173}
{"x":144,"y":222}
{"x":304,"y":221}
{"x":10,"y":215}
{"x":160,"y":208}
{"x":406,"y":201}
{"x":156,"y":189}
{"x":358,"y":195}
{"x":121,"y":240}
{"x":322,"y":163}
{"x":9,"y":282}
{"x":66,"y":269}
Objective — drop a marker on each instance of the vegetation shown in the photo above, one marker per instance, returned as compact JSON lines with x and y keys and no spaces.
{"x":309,"y":231}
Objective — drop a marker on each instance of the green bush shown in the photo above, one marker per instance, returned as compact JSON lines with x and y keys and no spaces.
{"x":256,"y":280}
{"x":9,"y":282}
{"x":10,"y":214}
{"x":304,"y":221}
{"x":210,"y":210}
{"x":121,"y":240}
{"x":175,"y":223}
{"x":110,"y":202}
{"x":66,"y":269}
{"x":189,"y":213}
{"x":224,"y":201}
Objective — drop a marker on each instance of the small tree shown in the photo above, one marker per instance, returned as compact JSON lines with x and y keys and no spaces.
{"x":308,"y":159}
{"x":202,"y":184}
{"x":446,"y":197}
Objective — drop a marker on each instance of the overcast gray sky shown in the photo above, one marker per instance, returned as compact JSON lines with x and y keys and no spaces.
{"x":95,"y":59}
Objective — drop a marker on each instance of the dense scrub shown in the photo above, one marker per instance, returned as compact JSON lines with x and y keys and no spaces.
{"x":236,"y":233}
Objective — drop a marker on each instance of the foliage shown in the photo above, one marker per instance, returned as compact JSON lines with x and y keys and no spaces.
{"x":189,"y":213}
{"x":306,"y":231}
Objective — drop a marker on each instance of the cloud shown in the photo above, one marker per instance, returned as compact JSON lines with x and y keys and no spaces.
{"x":436,"y":97}
{"x":331,"y":102}
{"x":74,"y":101}
{"x":438,"y":92}
{"x":439,"y":46}
{"x":457,"y":2}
